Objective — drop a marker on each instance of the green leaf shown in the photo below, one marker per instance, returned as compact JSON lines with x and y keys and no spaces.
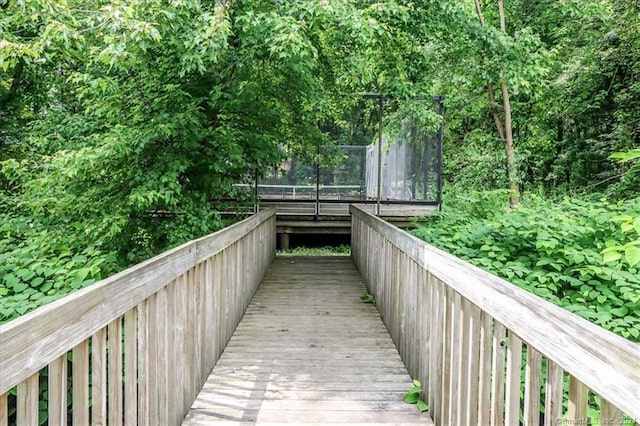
{"x":422,"y":406}
{"x":611,"y":256}
{"x":417,"y":383}
{"x":632,"y":255}
{"x":411,"y":397}
{"x":20,"y":287}
{"x":11,"y":280}
{"x":620,"y":312}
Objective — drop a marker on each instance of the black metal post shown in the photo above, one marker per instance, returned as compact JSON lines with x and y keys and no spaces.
{"x":318,"y":182}
{"x":441,"y":110}
{"x":379,"y":189}
{"x":256,"y":208}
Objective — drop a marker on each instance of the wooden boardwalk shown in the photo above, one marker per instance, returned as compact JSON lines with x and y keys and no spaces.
{"x":308,"y":351}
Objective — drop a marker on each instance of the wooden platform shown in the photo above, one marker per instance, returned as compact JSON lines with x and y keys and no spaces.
{"x":308,"y":351}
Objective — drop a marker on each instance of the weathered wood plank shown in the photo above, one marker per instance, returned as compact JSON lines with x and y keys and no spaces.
{"x":446,"y":356}
{"x":498,"y":374}
{"x":436,"y":331}
{"x":57,"y":406}
{"x":114,"y":371}
{"x":162,"y":366}
{"x":152,"y":360}
{"x":80,"y":383}
{"x":130,"y":367}
{"x":309,"y":368}
{"x":578,"y":400}
{"x":484,"y":380}
{"x":532,"y":387}
{"x":512,"y":396}
{"x":4,"y":410}
{"x":27,"y":409}
{"x":99,"y":377}
{"x":609,"y":414}
{"x":553,"y":394}
{"x":473,"y":359}
{"x":457,"y":364}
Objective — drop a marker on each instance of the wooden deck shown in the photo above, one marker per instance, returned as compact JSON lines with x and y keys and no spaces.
{"x":308,"y":351}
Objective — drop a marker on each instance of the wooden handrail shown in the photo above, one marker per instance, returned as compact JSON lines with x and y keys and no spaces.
{"x":448,"y":319}
{"x":184,"y":303}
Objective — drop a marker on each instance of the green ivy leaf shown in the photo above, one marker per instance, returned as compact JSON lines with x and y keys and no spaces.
{"x":411,"y":397}
{"x":620,"y":312}
{"x":611,"y":256}
{"x":11,"y":280}
{"x":632,"y":255}
{"x":20,"y":287}
{"x":422,"y":406}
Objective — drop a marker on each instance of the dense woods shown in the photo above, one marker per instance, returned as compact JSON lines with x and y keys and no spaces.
{"x":122,"y":125}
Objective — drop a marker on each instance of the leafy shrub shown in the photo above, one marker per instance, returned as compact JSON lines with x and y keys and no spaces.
{"x":38,"y":266}
{"x":552,"y":249}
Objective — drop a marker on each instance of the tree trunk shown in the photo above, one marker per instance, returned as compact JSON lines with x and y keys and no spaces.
{"x":512,"y":176}
{"x":504,"y":131}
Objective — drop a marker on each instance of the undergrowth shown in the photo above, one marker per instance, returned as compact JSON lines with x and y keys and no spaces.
{"x":579,"y":254}
{"x":342,"y":250}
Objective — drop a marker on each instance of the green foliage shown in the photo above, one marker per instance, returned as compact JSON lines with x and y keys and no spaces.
{"x":368,"y":298}
{"x":414,"y":396}
{"x":124,"y":126}
{"x":552,"y":249}
{"x":342,"y":250}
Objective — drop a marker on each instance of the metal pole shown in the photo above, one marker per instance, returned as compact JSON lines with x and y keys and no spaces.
{"x":318,"y":182}
{"x":381,"y":106}
{"x":441,"y":111}
{"x":256,"y":206}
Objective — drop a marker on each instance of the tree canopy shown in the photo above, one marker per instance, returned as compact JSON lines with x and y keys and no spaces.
{"x":123,"y":124}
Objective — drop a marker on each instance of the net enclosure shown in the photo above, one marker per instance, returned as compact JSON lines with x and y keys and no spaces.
{"x":401,"y":167}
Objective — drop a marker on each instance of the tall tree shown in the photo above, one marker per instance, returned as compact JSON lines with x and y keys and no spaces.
{"x":504,"y":128}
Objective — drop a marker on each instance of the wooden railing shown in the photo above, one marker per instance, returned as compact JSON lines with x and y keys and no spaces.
{"x":476,"y":341}
{"x":141,"y":343}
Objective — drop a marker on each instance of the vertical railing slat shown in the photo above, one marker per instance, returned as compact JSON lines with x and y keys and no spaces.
{"x":174,"y":405}
{"x":436,"y":350}
{"x":4,"y":410}
{"x":610,"y":414}
{"x":152,"y":360}
{"x":80,"y":381}
{"x":162,"y":367}
{"x":497,"y":374}
{"x":484,"y":381}
{"x":130,"y":368}
{"x":209,"y":347}
{"x":578,"y":400}
{"x":143,"y":363}
{"x":553,"y":394}
{"x":473,"y":388}
{"x":114,"y":371}
{"x":532,"y":387}
{"x":57,"y":380}
{"x":27,"y":409}
{"x":424,"y":350}
{"x":461,"y":364}
{"x":99,"y":377}
{"x":179,"y":352}
{"x":514,"y":365}
{"x":446,"y":355}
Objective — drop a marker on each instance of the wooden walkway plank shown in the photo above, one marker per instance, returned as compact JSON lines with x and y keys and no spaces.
{"x":308,"y":351}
